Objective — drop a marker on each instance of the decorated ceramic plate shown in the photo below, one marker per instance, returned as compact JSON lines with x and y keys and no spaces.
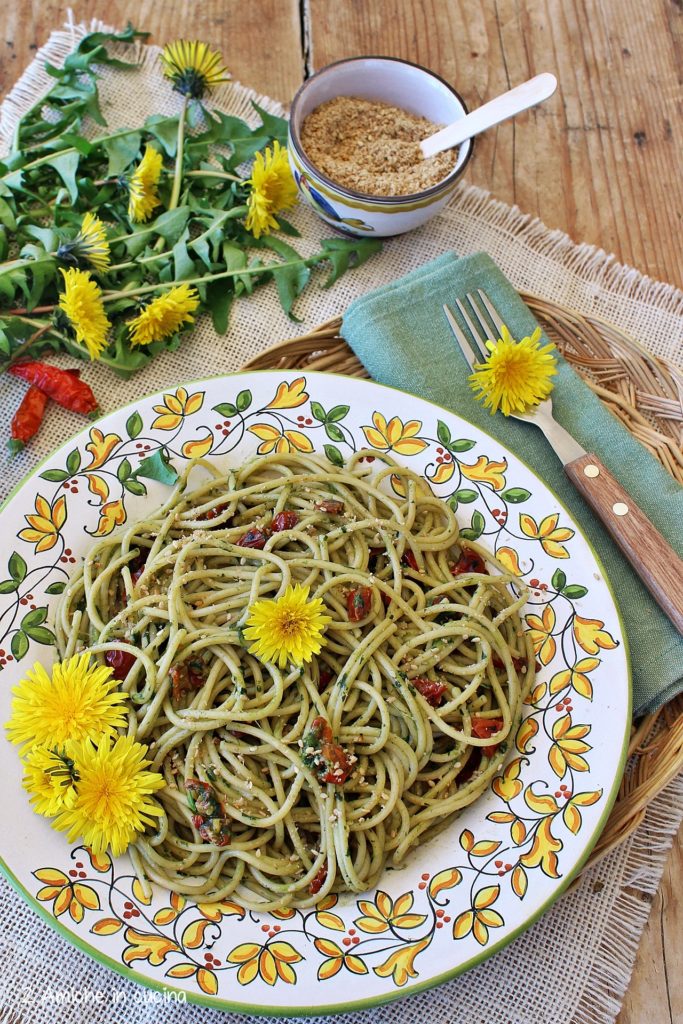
{"x":461,"y":896}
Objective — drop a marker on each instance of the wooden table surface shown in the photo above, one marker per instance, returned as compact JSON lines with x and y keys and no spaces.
{"x":601,"y":161}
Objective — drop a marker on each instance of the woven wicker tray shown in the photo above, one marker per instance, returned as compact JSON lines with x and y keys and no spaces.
{"x":646,"y":394}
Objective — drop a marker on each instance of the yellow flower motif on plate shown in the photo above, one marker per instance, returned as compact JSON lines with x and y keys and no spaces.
{"x":289,"y":395}
{"x":43,"y":527}
{"x":100,"y":447}
{"x":509,"y":559}
{"x":199,"y":447}
{"x":486,"y":471}
{"x":568,"y":747}
{"x":395,"y":436}
{"x":280,"y":441}
{"x":76,"y":897}
{"x":591,"y":636}
{"x":544,"y":850}
{"x":382,"y":914}
{"x":401,"y":963}
{"x":443,"y":472}
{"x":336,"y":959}
{"x":98,"y":486}
{"x":576,"y":677}
{"x":176,"y":407}
{"x":145,"y":946}
{"x":540,"y":634}
{"x":112,"y":514}
{"x":548,"y":532}
{"x":507,"y":786}
{"x":480,"y":918}
{"x":266,"y":962}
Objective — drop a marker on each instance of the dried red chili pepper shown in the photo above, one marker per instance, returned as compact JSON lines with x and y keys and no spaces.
{"x":27,"y":419}
{"x":469,"y":561}
{"x":121,"y":662}
{"x":431,"y":690}
{"x":285,"y":520}
{"x":483,"y":728}
{"x":61,"y":386}
{"x":253,"y":539}
{"x":358,"y":603}
{"x":318,"y":882}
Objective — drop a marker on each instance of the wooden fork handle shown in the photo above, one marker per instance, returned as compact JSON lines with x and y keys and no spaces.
{"x":654,"y":560}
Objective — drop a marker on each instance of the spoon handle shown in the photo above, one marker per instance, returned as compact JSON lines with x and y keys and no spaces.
{"x":523,"y":96}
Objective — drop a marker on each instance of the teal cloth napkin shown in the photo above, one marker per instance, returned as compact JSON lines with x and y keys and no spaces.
{"x":401,"y":336}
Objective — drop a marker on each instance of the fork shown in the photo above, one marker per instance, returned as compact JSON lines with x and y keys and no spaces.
{"x":654,"y":560}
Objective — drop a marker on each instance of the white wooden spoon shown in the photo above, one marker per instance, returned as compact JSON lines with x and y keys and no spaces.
{"x":523,"y":96}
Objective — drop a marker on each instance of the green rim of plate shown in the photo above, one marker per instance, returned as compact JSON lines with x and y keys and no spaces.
{"x":360,"y":1004}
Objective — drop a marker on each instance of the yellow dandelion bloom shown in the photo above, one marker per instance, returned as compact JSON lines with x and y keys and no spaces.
{"x":272,"y":189}
{"x":164,"y":315}
{"x":76,"y":700}
{"x":515,"y":375}
{"x":81,"y":300}
{"x":193,"y":67}
{"x":49,"y":778}
{"x":114,"y":794}
{"x":90,"y":246}
{"x":289,"y":629}
{"x":143,"y":197}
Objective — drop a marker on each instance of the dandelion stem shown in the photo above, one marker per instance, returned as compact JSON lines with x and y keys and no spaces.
{"x":237,"y":211}
{"x":180,"y":151}
{"x":264,"y":268}
{"x":213,"y":174}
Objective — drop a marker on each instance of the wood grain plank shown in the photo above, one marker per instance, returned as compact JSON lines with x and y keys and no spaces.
{"x":656,"y":989}
{"x":601,"y":159}
{"x":238,"y":29}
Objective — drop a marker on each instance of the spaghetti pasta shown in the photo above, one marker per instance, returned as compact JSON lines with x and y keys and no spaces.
{"x":285,"y":784}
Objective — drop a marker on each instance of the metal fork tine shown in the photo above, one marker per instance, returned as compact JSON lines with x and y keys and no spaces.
{"x":491,"y":310}
{"x":460,"y":337}
{"x":479,"y":313}
{"x":477,"y":339}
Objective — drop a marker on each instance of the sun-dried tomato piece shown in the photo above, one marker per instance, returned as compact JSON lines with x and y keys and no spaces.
{"x":469,"y":561}
{"x":120,"y":662}
{"x":285,"y":520}
{"x":431,"y":690}
{"x":318,"y":882}
{"x":329,"y":505}
{"x":482,"y":728}
{"x":253,"y":539}
{"x":359,"y":603}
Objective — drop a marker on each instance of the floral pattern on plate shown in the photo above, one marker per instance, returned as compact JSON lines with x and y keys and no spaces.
{"x":462,"y":894}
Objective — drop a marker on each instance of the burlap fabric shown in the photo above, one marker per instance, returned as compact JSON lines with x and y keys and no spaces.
{"x":574,"y":964}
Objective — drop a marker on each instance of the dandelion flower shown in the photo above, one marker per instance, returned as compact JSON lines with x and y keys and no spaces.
{"x":289,"y":629}
{"x":143,"y":196}
{"x":193,"y":67}
{"x":272,"y":189}
{"x":114,"y":794}
{"x":90,"y":246}
{"x":78,"y":699}
{"x":515,"y":375}
{"x":164,"y":315}
{"x":81,"y":300}
{"x":50,"y":777}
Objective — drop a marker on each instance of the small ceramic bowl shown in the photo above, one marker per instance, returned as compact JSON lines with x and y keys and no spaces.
{"x":394,"y":81}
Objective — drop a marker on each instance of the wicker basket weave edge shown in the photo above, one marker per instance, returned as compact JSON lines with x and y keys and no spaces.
{"x":646,"y":394}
